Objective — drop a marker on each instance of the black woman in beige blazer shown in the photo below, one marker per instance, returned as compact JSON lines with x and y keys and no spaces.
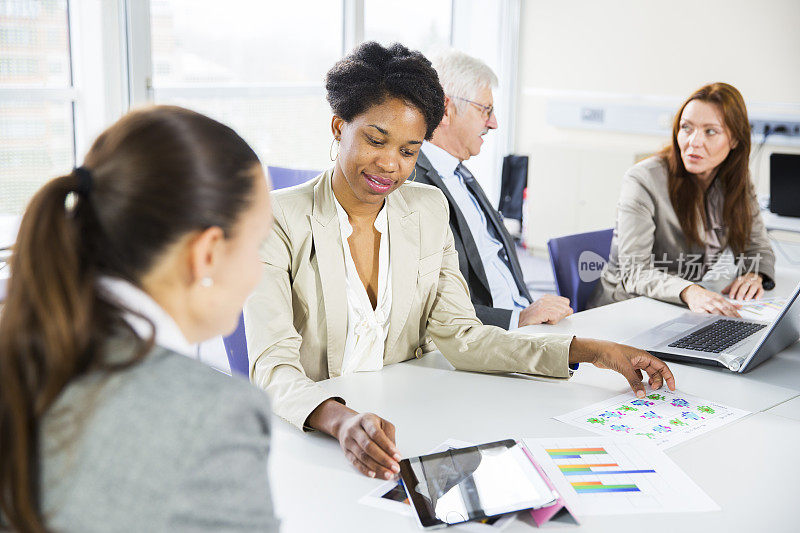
{"x":385,"y":103}
{"x":296,"y":321}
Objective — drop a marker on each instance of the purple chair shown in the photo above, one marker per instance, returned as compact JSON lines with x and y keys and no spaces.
{"x":236,"y":342}
{"x":577,"y":262}
{"x":288,"y":177}
{"x":236,"y":348}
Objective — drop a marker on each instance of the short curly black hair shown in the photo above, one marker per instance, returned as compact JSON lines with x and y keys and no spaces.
{"x":372,"y":73}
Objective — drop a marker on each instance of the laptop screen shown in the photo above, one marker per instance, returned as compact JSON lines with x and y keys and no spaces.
{"x":784,"y":184}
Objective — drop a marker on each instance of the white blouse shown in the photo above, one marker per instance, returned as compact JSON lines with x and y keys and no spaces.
{"x":167,"y":333}
{"x":366,"y":327}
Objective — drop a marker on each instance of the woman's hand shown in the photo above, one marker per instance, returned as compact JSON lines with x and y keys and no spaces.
{"x":626,"y":360}
{"x":368,"y":442}
{"x":747,"y":287}
{"x":366,"y":439}
{"x":702,"y":300}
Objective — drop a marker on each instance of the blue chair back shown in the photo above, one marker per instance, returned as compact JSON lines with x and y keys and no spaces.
{"x":236,"y":342}
{"x":577,"y":261}
{"x":287,"y":177}
{"x":236,"y":348}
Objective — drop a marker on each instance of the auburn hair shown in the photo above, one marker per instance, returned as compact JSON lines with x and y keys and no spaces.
{"x":156,"y":175}
{"x":686,"y":193}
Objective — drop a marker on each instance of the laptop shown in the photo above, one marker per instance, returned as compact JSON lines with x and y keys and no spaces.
{"x":737,"y":344}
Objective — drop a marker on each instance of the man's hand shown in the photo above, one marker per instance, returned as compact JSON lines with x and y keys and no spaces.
{"x":626,"y":360}
{"x":702,"y":300}
{"x":747,"y":287}
{"x":548,"y":309}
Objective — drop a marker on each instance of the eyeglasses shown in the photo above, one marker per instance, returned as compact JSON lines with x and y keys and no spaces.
{"x":488,"y":110}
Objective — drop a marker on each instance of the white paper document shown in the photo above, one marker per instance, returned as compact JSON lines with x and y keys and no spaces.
{"x":663,"y":417}
{"x":391,"y":496}
{"x":766,"y":309}
{"x":608,"y":476}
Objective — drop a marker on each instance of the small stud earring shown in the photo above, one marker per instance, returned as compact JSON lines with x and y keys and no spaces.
{"x":206,"y":282}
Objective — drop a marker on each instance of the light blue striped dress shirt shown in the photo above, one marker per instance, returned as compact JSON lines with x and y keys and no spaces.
{"x":505,"y":293}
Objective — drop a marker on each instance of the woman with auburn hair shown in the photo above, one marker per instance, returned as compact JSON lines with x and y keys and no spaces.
{"x":687,"y":220}
{"x":361,"y":270}
{"x":106,"y":422}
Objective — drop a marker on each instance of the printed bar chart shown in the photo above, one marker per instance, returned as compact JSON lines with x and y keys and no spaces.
{"x":595,"y":487}
{"x":585,"y":467}
{"x":591,"y":468}
{"x":602,"y":476}
{"x":574,"y":472}
{"x":573,"y":453}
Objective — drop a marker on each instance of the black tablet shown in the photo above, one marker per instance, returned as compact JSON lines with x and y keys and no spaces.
{"x":473,"y":483}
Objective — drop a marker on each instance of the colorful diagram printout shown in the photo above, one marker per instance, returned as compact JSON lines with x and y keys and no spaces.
{"x":664,"y":418}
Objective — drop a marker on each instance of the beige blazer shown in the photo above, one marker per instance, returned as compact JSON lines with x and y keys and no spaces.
{"x":650,"y":255}
{"x":296,"y":321}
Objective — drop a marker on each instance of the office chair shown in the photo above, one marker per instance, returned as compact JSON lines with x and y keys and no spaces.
{"x":287,"y":177}
{"x":236,"y":342}
{"x":577,"y":261}
{"x":236,"y":349}
{"x":514,"y":180}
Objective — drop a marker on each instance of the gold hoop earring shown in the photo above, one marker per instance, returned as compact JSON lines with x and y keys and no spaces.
{"x":330,"y":150}
{"x":415,"y":176}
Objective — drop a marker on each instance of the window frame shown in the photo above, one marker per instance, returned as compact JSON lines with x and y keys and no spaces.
{"x":86,"y":123}
{"x":140,"y":63}
{"x":66,"y":95}
{"x":503,"y":58}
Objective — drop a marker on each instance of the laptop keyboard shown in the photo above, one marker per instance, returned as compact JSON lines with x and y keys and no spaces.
{"x":717,"y":336}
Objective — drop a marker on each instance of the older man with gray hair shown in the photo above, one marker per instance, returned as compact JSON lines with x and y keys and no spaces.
{"x":486,"y":254}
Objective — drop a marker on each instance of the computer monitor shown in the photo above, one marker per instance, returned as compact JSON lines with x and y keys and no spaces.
{"x":784,"y":184}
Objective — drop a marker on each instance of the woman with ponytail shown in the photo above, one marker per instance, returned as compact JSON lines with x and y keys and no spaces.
{"x":119,"y":267}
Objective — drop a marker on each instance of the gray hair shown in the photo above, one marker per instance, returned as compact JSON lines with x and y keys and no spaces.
{"x":462,"y":75}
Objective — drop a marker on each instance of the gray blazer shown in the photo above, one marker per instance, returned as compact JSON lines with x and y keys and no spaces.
{"x":649,"y":252}
{"x":167,"y":445}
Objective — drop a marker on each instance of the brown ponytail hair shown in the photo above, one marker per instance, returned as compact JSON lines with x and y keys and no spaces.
{"x":685,"y":192}
{"x":154,"y":176}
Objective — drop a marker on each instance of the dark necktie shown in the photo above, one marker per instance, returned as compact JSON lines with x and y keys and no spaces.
{"x":464,"y":173}
{"x":492,"y":221}
{"x":468,"y":178}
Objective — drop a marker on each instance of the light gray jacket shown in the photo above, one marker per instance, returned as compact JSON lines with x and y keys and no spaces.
{"x":167,"y":445}
{"x":650,"y":255}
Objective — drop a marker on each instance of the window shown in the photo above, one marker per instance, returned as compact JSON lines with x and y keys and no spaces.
{"x":36,"y":98}
{"x":423,"y":25}
{"x":69,"y":68}
{"x":256,"y":66}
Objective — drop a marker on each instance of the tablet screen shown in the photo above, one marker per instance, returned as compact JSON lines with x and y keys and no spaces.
{"x":473,"y":483}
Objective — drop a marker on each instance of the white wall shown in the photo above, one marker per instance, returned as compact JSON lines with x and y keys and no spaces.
{"x":489,"y":31}
{"x":634,"y":52}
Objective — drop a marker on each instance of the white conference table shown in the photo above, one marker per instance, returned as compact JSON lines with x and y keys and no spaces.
{"x":748,"y":467}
